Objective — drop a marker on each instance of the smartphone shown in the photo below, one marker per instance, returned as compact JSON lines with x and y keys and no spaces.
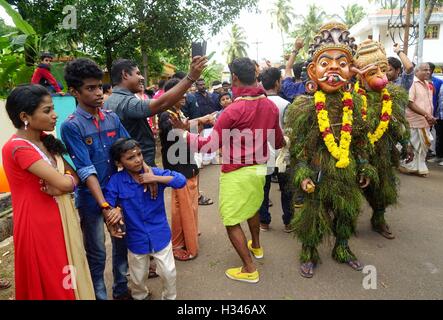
{"x":199,"y":48}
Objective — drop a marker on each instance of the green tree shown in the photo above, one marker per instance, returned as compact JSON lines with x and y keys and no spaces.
{"x":138,"y":29}
{"x":212,"y":72}
{"x":236,"y":46}
{"x":309,"y":25}
{"x":353,"y":14}
{"x":282,"y":13}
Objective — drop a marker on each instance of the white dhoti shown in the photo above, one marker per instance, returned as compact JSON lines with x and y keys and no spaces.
{"x":421,"y":142}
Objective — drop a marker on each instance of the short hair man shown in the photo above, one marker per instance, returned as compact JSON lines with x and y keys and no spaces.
{"x":438,"y":114}
{"x":419,"y":115}
{"x":291,"y":88}
{"x":251,"y":114}
{"x":395,"y":74}
{"x":133,"y":112}
{"x":205,"y":102}
{"x":42,"y":74}
{"x":88,"y":135}
{"x":271,"y":81}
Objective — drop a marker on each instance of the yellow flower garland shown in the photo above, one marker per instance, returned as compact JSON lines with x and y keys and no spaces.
{"x":362,"y":93}
{"x":386,"y":112}
{"x":341,"y":152}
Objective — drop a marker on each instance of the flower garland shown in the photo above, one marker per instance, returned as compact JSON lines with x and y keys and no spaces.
{"x":362,"y":93}
{"x":341,"y":152}
{"x":385,"y":117}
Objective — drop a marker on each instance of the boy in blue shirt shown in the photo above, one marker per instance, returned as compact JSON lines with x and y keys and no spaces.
{"x":147,"y":229}
{"x":88,"y":135}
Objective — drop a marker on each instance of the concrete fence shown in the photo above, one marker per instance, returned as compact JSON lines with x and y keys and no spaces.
{"x":6,"y":127}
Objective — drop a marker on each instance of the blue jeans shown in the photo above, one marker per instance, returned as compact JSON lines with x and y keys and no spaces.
{"x":286,"y":198}
{"x":92,"y":224}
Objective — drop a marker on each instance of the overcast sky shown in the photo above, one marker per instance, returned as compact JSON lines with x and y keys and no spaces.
{"x":258,"y":27}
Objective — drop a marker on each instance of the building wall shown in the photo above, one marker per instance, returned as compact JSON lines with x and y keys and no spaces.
{"x":432,"y":48}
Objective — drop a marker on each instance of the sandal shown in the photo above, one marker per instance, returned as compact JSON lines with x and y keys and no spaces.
{"x":203,"y":201}
{"x":384,"y":231}
{"x":4,"y":284}
{"x":307,"y":269}
{"x":182,"y":255}
{"x":355,"y":264}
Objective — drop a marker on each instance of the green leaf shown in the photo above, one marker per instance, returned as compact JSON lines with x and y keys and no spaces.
{"x":20,"y":24}
{"x":19,"y":40}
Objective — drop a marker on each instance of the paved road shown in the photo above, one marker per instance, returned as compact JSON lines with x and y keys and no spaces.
{"x":409,"y":267}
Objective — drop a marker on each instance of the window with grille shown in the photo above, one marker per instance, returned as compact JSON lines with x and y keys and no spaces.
{"x":432,"y":32}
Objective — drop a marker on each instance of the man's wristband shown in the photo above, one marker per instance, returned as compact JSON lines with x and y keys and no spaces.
{"x":295,"y":52}
{"x":190,"y":79}
{"x":105,"y":206}
{"x":399,"y":51}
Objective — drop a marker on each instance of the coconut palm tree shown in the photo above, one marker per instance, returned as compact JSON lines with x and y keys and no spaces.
{"x":236,"y":46}
{"x":309,"y":25}
{"x":353,"y":14}
{"x":282,"y":13}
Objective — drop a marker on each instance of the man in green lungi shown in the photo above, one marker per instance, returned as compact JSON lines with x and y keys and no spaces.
{"x":243,"y":131}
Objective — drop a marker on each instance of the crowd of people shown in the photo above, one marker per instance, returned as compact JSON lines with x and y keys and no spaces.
{"x":332,"y":130}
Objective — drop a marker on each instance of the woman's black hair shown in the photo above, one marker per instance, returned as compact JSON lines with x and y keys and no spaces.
{"x":222,"y":95}
{"x":24,"y":98}
{"x":27,"y":98}
{"x":121,"y":146}
{"x":80,"y":69}
{"x":54,"y":145}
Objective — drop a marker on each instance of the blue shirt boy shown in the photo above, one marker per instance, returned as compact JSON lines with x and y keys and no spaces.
{"x":147,"y":228}
{"x":88,"y":142}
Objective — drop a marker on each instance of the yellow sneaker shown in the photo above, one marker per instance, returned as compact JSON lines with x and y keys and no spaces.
{"x":257,"y":252}
{"x":236,"y":274}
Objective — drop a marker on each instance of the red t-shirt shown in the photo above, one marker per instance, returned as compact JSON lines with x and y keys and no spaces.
{"x":243,"y":130}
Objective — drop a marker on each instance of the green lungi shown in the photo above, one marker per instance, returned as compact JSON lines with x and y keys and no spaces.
{"x":241,"y":193}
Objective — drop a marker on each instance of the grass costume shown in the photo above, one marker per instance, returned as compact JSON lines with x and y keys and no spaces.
{"x":382,"y":110}
{"x":328,"y":150}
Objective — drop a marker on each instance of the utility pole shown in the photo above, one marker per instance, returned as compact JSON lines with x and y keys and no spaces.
{"x":256,"y":46}
{"x":407,"y":24}
{"x":421,"y":31}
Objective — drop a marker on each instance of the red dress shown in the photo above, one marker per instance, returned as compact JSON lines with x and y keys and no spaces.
{"x":40,"y":252}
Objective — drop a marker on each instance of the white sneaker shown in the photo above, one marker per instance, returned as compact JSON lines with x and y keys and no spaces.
{"x":434,"y":160}
{"x":441,"y":164}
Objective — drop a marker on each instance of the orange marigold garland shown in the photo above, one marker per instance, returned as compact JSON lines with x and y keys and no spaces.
{"x":385,"y":115}
{"x":364,"y":107}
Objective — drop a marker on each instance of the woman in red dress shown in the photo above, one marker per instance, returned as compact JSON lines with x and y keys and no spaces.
{"x":41,"y":262}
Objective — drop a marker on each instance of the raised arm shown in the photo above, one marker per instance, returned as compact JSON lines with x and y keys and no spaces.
{"x":170,"y":97}
{"x":407,"y":64}
{"x":297,"y":46}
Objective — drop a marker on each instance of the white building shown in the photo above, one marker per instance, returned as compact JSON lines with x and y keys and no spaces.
{"x":376,"y":25}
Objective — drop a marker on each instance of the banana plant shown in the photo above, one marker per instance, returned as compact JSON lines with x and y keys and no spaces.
{"x":18,"y":52}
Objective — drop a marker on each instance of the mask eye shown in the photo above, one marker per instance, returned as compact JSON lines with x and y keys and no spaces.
{"x":324,"y":64}
{"x":343,"y":64}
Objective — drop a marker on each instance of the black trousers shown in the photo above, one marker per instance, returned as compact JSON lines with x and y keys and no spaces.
{"x":439,"y":139}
